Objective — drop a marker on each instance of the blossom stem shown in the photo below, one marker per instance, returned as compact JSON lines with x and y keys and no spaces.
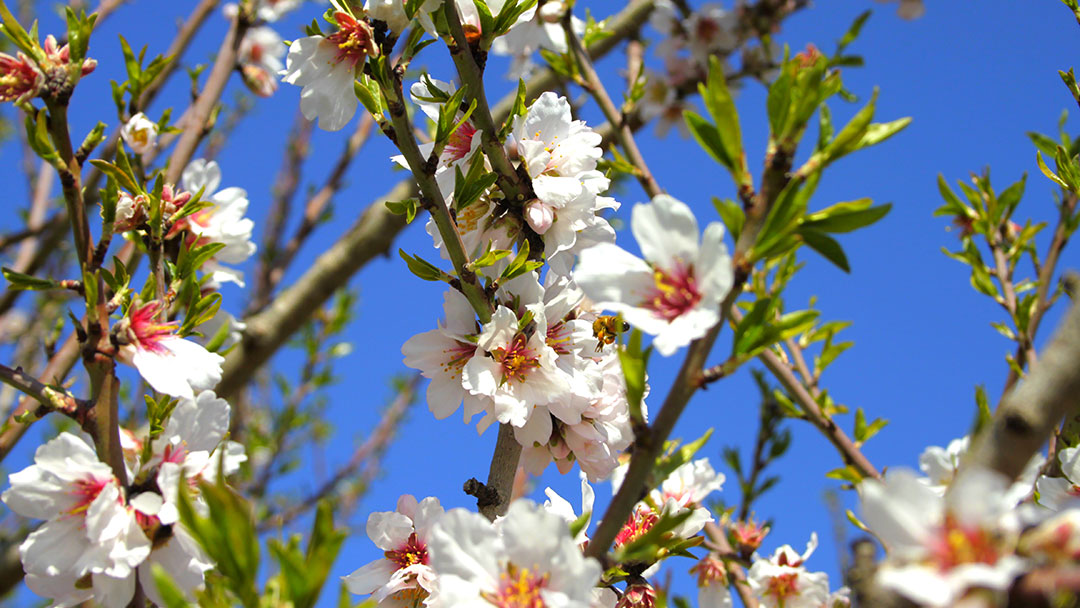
{"x":595,"y":87}
{"x":516,"y":189}
{"x":719,"y":542}
{"x":431,"y":196}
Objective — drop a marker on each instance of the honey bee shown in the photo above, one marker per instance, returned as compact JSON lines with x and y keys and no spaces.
{"x":607,"y":328}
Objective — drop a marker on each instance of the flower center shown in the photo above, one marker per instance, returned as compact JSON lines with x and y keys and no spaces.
{"x":640,"y":522}
{"x":460,"y":143}
{"x":353,"y":39}
{"x":411,"y":553}
{"x":146,"y":332}
{"x":674,"y":293}
{"x":517,"y":359}
{"x":518,"y":588}
{"x":558,"y":338}
{"x":963,"y":545}
{"x":783,"y":586}
{"x":85,"y":492}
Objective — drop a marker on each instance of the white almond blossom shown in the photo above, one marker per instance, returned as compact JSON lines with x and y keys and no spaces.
{"x":392,"y":12}
{"x":326,"y":69}
{"x":517,"y":370}
{"x":259,"y":57}
{"x":170,"y":364}
{"x":441,"y":354}
{"x":676,"y":291}
{"x":942,"y":547}
{"x":403,"y":578}
{"x":685,"y":489}
{"x":222,"y":222}
{"x":140,"y":133}
{"x":783,"y":582}
{"x":712,"y":582}
{"x":526,"y":559}
{"x":90,"y":532}
{"x":560,"y":506}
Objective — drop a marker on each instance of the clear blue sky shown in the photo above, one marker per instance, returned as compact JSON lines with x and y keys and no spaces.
{"x":974,"y":79}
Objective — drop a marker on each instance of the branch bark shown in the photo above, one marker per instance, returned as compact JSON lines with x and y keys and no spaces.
{"x":1028,"y":414}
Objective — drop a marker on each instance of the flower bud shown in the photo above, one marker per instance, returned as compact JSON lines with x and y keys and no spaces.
{"x":748,"y":535}
{"x":638,"y":595}
{"x":20,"y":79}
{"x":539,"y":216}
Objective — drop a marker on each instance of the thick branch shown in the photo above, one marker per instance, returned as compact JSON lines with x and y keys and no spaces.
{"x":1029,"y":413}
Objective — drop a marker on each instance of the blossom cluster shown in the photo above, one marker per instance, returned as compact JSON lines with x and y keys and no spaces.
{"x":100,"y":534}
{"x":966,"y":535}
{"x":525,"y":558}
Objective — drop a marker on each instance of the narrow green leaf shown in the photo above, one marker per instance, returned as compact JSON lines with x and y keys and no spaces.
{"x":827,"y":246}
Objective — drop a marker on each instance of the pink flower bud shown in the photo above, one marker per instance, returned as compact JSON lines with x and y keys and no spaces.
{"x":20,"y":79}
{"x":638,"y":595}
{"x":539,"y":216}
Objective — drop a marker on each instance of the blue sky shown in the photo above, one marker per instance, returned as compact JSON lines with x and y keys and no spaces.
{"x":974,"y":78}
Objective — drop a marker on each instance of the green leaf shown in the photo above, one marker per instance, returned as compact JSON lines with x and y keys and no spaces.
{"x":721,"y":107}
{"x":1048,"y":173}
{"x":708,"y":138}
{"x":848,"y":138}
{"x":520,"y":264}
{"x":634,"y":362}
{"x":827,"y":246}
{"x":778,"y":103}
{"x":846,"y":217}
{"x":880,"y":131}
{"x":731,"y":214}
{"x":983,"y":414}
{"x":406,"y":207}
{"x":20,"y":281}
{"x":422,"y":268}
{"x":852,"y":32}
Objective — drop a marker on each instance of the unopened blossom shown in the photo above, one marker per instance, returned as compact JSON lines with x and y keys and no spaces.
{"x":170,"y":364}
{"x":222,"y":222}
{"x":712,"y":582}
{"x":326,"y":69}
{"x":90,"y":533}
{"x":782,"y":581}
{"x":404,"y":577}
{"x":20,"y":78}
{"x":260,"y":59}
{"x":441,"y":354}
{"x":638,"y":594}
{"x":748,"y":535}
{"x":58,"y":56}
{"x":675,"y":292}
{"x":941,"y":547}
{"x":527,"y":558}
{"x":140,"y":133}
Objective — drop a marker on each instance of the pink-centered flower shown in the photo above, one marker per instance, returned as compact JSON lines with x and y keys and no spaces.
{"x":525,"y":560}
{"x":90,"y":532}
{"x":404,"y":577}
{"x":326,"y":68}
{"x":782,"y":581}
{"x":675,"y":292}
{"x":169,"y":363}
{"x":260,"y":60}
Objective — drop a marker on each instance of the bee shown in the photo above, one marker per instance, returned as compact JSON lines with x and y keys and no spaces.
{"x":607,"y":328}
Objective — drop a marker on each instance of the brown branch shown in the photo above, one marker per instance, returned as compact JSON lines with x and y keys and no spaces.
{"x":284,"y":190}
{"x":1028,"y":414}
{"x":366,"y":455}
{"x":614,"y":116}
{"x":717,"y":540}
{"x":315,"y":207}
{"x":195,"y":127}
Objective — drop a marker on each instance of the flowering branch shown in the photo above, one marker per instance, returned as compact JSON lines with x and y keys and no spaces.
{"x":515,"y":188}
{"x":717,"y":538}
